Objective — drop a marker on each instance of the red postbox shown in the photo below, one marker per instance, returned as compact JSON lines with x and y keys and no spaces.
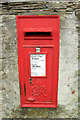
{"x":38,"y":59}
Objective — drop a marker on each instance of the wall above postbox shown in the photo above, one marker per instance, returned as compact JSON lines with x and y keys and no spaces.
{"x":38,"y":59}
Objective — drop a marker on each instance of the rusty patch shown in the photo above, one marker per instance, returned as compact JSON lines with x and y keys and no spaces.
{"x":73,"y":92}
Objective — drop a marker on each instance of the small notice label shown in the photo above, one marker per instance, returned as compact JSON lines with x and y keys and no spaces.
{"x":38,"y":64}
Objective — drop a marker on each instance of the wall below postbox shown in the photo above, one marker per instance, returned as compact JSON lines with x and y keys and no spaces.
{"x":68,"y":60}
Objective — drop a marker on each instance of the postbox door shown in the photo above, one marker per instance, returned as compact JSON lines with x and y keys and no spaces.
{"x":38,"y":74}
{"x":38,"y":59}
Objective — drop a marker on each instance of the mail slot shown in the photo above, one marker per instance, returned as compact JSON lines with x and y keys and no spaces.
{"x":38,"y":59}
{"x":33,"y":35}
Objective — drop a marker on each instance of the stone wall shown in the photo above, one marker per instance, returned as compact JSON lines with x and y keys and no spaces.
{"x":68,"y":60}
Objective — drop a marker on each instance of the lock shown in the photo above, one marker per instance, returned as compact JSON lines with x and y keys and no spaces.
{"x":30,"y":80}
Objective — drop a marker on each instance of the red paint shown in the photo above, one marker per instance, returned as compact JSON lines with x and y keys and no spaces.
{"x":73,"y":92}
{"x":38,"y":31}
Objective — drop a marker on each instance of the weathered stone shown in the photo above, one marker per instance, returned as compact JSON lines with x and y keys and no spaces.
{"x":74,"y":6}
{"x":68,"y":60}
{"x":8,"y":7}
{"x":77,"y":12}
{"x":69,"y":9}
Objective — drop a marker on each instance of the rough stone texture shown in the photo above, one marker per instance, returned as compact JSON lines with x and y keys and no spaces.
{"x":36,"y":0}
{"x":0,"y":68}
{"x":78,"y":29}
{"x":38,"y":7}
{"x":68,"y":64}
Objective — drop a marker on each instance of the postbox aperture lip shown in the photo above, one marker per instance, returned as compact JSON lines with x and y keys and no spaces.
{"x":41,"y":33}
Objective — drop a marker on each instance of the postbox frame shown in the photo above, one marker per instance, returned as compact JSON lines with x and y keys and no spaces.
{"x":52,"y":104}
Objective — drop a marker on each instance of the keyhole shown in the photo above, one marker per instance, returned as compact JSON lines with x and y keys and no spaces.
{"x":30,"y":80}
